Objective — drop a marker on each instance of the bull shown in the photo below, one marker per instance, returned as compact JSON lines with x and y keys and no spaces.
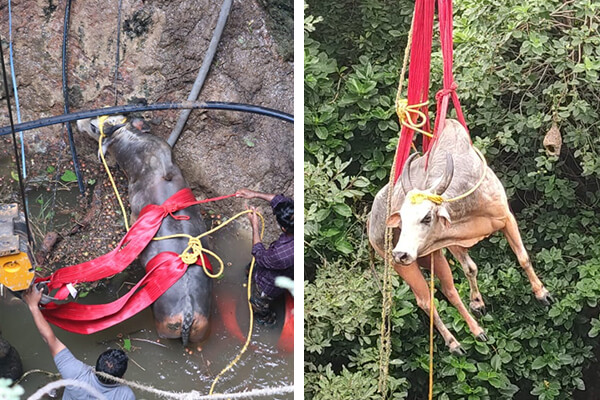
{"x":424,"y":223}
{"x":147,"y":160}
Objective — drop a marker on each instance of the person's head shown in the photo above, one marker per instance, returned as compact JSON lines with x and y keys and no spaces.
{"x":112,"y":362}
{"x":284,"y":213}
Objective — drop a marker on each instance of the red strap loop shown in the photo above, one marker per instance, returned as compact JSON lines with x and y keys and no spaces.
{"x":445,"y":92}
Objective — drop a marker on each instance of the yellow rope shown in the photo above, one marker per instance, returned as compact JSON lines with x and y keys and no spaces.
{"x":431,"y":311}
{"x":101,"y":120}
{"x":474,"y":188}
{"x":249,"y":294}
{"x":418,"y":196}
{"x":195,"y":249}
{"x":406,"y":113}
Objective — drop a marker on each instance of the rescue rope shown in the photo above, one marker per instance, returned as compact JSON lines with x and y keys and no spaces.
{"x":101,"y":120}
{"x":431,"y":312}
{"x":195,"y":249}
{"x":196,"y":246}
{"x":419,"y":196}
{"x":386,"y":288}
{"x":193,"y":395}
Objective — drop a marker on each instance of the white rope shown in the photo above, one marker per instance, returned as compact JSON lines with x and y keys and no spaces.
{"x":195,"y":395}
{"x":66,"y":382}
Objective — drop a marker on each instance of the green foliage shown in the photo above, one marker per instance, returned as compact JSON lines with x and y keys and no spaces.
{"x":520,"y":67}
{"x":68,"y":176}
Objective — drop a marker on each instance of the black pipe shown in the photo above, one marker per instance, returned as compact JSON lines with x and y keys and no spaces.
{"x":209,"y":105}
{"x":66,"y":97}
{"x":14,"y":136}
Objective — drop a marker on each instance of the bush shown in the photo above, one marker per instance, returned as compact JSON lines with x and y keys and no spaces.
{"x":520,"y":67}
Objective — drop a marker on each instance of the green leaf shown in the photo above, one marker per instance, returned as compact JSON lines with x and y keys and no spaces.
{"x":127,"y":344}
{"x":68,"y":176}
{"x":538,"y":363}
{"x":50,"y":169}
{"x":342,"y":209}
{"x":14,"y":175}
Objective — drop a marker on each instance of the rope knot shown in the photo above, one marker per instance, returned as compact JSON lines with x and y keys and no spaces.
{"x":445,"y":92}
{"x":419,"y":197}
{"x":170,"y":209}
{"x":411,"y":115}
{"x":194,"y":250}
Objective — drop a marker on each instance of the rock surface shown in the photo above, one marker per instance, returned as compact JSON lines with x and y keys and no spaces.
{"x":162,"y":46}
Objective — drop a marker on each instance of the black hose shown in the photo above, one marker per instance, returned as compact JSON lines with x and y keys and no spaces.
{"x":118,"y":49}
{"x":14,"y":136}
{"x":209,"y":105}
{"x":66,"y":97}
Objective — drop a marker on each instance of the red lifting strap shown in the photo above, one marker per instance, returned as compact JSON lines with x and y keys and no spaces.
{"x":161,"y":272}
{"x":419,"y":71}
{"x":418,"y":75}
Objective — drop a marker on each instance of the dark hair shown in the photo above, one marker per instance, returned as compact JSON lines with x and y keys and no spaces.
{"x":112,"y":362}
{"x":284,"y":213}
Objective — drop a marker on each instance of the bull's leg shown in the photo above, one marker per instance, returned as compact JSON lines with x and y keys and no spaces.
{"x":443,"y":272}
{"x":511,"y":231}
{"x":413,"y":276}
{"x":469,"y":267}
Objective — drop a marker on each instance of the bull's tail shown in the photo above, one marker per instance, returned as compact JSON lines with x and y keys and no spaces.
{"x":186,"y":325}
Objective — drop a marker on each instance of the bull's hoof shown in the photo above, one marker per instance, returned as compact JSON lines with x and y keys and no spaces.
{"x":478,"y":309}
{"x":546,"y":298}
{"x":482,"y":337}
{"x":457,"y":350}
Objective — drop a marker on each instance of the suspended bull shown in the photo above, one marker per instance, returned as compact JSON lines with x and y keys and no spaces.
{"x":425,"y":222}
{"x":184,"y":309}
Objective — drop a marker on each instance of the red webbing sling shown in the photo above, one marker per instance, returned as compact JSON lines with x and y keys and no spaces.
{"x":161,"y":272}
{"x":418,"y":75}
{"x":419,"y":71}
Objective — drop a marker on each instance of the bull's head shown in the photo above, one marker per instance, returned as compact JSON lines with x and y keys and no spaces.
{"x":422,"y":215}
{"x":111,"y":125}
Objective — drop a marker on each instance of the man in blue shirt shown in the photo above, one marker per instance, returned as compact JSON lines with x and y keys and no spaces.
{"x":112,"y":362}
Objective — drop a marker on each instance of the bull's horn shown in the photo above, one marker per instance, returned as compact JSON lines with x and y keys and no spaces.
{"x":405,"y":179}
{"x":441,"y":187}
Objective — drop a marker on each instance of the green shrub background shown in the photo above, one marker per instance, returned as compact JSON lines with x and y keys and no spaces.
{"x":519,"y":66}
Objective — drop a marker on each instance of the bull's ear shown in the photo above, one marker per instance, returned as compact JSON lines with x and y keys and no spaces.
{"x":394,"y":220}
{"x":443,"y":216}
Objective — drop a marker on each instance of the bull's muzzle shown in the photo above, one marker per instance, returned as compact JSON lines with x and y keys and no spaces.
{"x":402,"y":257}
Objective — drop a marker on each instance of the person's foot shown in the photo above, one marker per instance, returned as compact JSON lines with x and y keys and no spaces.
{"x":269,"y":321}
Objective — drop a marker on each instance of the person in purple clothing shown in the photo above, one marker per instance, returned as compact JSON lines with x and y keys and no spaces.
{"x":112,"y":362}
{"x":277,"y":260}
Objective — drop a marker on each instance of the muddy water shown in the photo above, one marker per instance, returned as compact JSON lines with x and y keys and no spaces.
{"x":166,"y":364}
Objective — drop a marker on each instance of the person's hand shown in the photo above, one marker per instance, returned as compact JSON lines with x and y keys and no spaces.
{"x":253,"y":217}
{"x":245,"y":194}
{"x":32,"y":296}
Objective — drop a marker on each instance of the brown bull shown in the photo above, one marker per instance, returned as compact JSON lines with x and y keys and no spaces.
{"x":425,"y":223}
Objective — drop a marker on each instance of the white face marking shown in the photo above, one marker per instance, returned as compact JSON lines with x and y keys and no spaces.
{"x":418,"y":221}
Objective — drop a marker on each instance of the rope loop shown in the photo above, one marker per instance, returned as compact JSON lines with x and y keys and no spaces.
{"x":445,"y":92}
{"x":170,"y":209}
{"x":411,"y":116}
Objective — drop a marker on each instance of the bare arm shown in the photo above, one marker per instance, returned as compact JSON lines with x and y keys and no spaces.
{"x":253,"y":217}
{"x":251,"y":194}
{"x":32,"y":298}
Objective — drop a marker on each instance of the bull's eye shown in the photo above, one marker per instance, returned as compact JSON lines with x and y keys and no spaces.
{"x":426,"y":219}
